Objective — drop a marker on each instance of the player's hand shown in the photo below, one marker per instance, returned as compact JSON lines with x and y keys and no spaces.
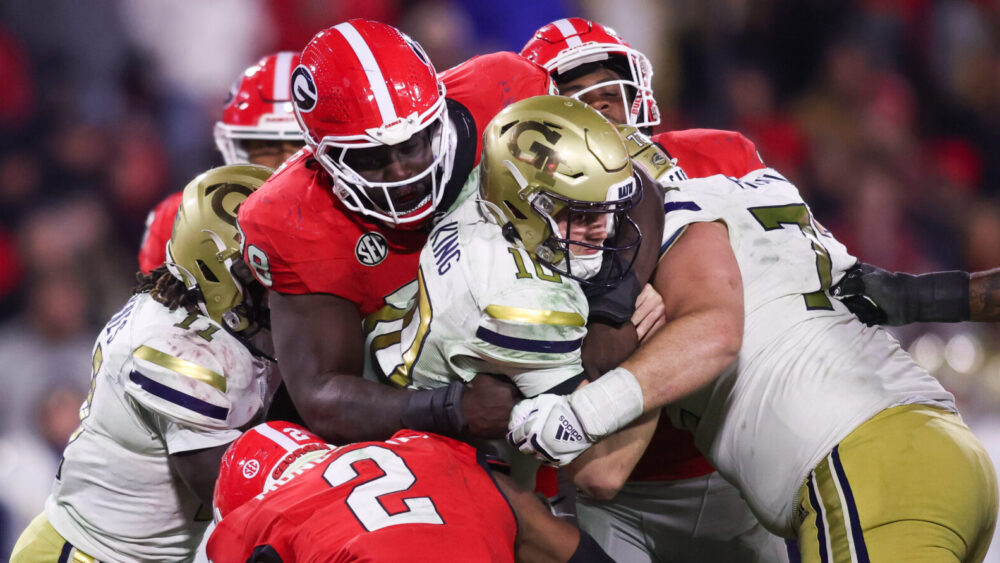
{"x":868,"y":292}
{"x":649,"y":313}
{"x":546,"y":427}
{"x":486,"y":404}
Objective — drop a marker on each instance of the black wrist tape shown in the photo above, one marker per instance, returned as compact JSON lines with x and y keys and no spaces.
{"x":436,"y":410}
{"x":937,"y":297}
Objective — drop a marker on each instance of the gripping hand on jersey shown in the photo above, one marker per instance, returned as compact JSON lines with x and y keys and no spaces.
{"x":546,"y":427}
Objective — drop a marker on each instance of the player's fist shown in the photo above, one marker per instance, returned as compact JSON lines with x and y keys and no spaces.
{"x":486,"y":405}
{"x":546,"y":427}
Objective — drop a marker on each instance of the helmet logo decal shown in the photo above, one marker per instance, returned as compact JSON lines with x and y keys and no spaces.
{"x":303,"y":89}
{"x":544,"y":158}
{"x":372,"y":248}
{"x":251,"y":468}
{"x":219,"y":193}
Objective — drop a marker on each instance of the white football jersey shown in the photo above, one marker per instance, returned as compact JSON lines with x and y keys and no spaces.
{"x":480,"y":305}
{"x":164,"y":383}
{"x":809,"y":372}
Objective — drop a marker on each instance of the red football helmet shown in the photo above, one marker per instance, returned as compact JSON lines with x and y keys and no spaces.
{"x":362,"y":85}
{"x":259,"y":107}
{"x":568,"y":43}
{"x":258,"y":458}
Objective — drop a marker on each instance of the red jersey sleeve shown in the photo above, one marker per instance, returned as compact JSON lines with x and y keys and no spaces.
{"x":706,"y":152}
{"x":298,"y":238}
{"x":159,"y":224}
{"x":488,"y":83}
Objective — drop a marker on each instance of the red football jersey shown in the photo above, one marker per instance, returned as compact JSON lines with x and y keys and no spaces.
{"x":159,"y":224}
{"x":300,"y":239}
{"x":415,"y":497}
{"x":671,"y":454}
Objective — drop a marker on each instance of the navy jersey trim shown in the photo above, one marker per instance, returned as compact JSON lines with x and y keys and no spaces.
{"x":528,"y":345}
{"x":174,"y":396}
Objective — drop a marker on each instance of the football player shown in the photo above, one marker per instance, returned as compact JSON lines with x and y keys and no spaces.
{"x":257,"y":127}
{"x":500,"y":284}
{"x":338,"y":230}
{"x":178,"y":372}
{"x":831,"y":432}
{"x":285,"y":495}
{"x":674,"y":506}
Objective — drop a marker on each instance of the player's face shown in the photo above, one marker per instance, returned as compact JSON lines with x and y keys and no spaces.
{"x":607,"y":99}
{"x":270,"y":153}
{"x":396,"y":163}
{"x":591,"y":228}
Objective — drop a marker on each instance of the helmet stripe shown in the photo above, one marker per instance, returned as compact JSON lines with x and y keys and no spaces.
{"x":277,"y":437}
{"x":372,"y":70}
{"x":570,"y":34}
{"x":282,"y":88}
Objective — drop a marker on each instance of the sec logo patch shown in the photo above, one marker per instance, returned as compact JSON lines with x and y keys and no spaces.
{"x":372,"y":249}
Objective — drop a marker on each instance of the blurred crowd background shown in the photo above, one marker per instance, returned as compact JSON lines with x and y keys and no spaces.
{"x":886,"y":114}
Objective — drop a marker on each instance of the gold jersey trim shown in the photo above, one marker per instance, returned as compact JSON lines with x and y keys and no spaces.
{"x":181,"y":366}
{"x":536,"y":316}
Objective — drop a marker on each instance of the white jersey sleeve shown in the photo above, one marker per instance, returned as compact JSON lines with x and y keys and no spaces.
{"x":195,"y":373}
{"x":481,"y":305}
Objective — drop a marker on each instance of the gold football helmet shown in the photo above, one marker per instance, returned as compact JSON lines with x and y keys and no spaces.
{"x":549,"y":154}
{"x":204,"y":247}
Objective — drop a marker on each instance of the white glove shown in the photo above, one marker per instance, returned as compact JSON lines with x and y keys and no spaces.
{"x":546,"y":427}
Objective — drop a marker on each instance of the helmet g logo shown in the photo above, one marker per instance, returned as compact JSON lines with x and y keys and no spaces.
{"x":303,"y":89}
{"x":372,"y":248}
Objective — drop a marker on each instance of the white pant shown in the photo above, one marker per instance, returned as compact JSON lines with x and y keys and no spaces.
{"x":693,"y":520}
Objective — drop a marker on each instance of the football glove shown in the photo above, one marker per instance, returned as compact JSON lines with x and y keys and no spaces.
{"x":546,"y":427}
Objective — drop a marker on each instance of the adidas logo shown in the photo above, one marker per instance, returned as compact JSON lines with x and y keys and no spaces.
{"x":566,"y":432}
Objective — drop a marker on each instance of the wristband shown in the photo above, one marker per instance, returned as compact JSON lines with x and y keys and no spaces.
{"x":436,"y":410}
{"x":607,"y":404}
{"x":941,"y":297}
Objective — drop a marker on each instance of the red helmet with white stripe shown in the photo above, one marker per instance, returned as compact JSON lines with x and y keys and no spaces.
{"x":259,"y":107}
{"x":368,"y":98}
{"x":567,"y":44}
{"x":260,"y":457}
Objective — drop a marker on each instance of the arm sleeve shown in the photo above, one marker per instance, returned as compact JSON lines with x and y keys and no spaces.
{"x":533,"y":335}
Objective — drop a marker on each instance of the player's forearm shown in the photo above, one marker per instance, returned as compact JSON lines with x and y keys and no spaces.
{"x":347,"y":408}
{"x":686,"y":354}
{"x":603,"y":469}
{"x":984,"y":295}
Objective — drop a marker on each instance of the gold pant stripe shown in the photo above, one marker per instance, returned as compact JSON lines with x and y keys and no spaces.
{"x":911,"y":484}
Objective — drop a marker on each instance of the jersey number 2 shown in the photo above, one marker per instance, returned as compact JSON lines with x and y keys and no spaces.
{"x":364,"y":498}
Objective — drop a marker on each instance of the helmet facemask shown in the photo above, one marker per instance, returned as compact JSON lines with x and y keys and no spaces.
{"x":603,"y":263}
{"x":381,"y":200}
{"x":634,"y":83}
